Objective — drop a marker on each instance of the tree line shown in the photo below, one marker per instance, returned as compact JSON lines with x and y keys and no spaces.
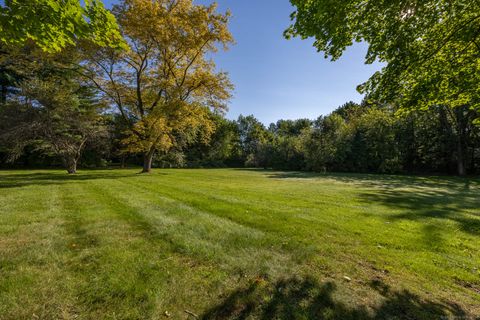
{"x":364,"y":137}
{"x":354,"y":138}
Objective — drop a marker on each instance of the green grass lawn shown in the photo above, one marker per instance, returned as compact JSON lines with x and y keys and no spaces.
{"x":237,"y":244}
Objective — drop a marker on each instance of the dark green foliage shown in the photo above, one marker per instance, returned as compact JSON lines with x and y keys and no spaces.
{"x":223,"y":149}
{"x":353,"y":138}
{"x":368,"y":138}
{"x":430,"y":48}
{"x":49,"y":110}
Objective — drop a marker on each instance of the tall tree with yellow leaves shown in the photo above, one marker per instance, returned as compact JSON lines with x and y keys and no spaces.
{"x":166,"y":81}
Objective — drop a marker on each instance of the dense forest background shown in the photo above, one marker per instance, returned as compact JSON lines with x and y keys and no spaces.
{"x":364,"y":137}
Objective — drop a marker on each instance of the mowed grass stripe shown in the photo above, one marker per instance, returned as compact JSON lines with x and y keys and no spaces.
{"x":107,"y":262}
{"x":264,"y":217}
{"x":118,"y":259}
{"x":407,"y":242}
{"x":197,"y":233}
{"x":335,"y":252}
{"x":31,"y":256}
{"x":164,"y":223}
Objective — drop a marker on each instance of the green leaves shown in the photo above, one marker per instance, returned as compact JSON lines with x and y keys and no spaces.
{"x":431,"y":48}
{"x":55,"y":24}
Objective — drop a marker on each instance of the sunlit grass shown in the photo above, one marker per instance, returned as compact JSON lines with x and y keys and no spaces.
{"x":228,"y":244}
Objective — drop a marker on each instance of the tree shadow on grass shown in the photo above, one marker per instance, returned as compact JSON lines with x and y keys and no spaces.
{"x":380,"y":180}
{"x":455,"y":204}
{"x":418,"y":197}
{"x":17,"y":180}
{"x":297,"y":298}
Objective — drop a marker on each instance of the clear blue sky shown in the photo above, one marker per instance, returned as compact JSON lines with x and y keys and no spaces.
{"x":276,"y":78}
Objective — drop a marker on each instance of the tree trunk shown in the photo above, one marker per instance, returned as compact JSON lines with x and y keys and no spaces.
{"x":147,"y":161}
{"x":3,"y":94}
{"x":71,"y":165}
{"x":460,"y":158}
{"x":461,"y":142}
{"x":122,"y":162}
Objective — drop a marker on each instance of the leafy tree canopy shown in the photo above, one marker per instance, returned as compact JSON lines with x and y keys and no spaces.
{"x":431,"y":47}
{"x":54,"y":24}
{"x":49,"y":108}
{"x":167,"y":79}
